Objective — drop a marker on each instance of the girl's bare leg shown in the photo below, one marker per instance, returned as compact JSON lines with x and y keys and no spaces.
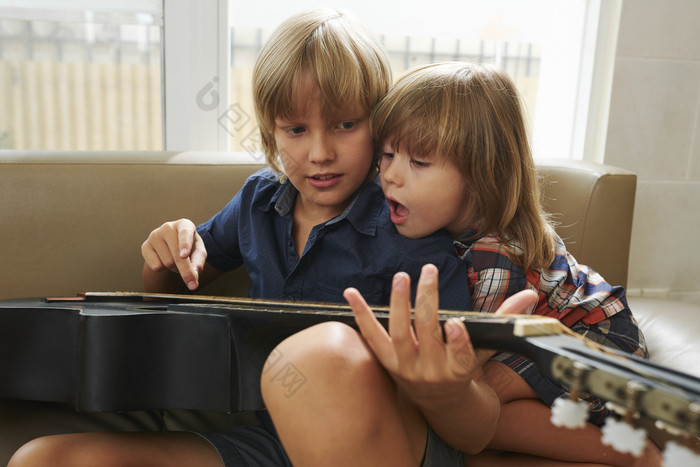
{"x":524,"y":427}
{"x":498,"y":459}
{"x":117,"y":449}
{"x":344,"y":409}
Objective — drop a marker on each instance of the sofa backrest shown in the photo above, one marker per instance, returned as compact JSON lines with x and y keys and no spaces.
{"x":73,"y":222}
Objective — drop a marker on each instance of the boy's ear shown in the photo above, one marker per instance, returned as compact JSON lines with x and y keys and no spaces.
{"x":374,"y":168}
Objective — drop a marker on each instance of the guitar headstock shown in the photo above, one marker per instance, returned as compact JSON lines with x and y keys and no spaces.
{"x":649,"y":399}
{"x":646,"y":404}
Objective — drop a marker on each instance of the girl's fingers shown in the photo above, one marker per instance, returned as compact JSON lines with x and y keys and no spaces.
{"x":400,"y":328}
{"x":462,"y":359}
{"x":372,"y":331}
{"x":425,"y":314}
{"x":518,"y":304}
{"x":405,"y":352}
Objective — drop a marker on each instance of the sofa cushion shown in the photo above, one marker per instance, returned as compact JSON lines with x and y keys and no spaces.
{"x":671,"y":329}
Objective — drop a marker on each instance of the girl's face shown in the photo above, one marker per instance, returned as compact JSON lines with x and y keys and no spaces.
{"x":327,"y":159}
{"x":425,"y":194}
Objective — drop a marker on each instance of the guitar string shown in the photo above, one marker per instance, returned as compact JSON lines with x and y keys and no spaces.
{"x":344,"y":309}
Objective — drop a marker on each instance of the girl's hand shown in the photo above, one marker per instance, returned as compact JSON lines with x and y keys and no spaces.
{"x":442,"y":376}
{"x":426,"y":366}
{"x":176,"y":246}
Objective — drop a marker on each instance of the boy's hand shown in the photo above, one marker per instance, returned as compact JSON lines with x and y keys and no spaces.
{"x":176,"y":246}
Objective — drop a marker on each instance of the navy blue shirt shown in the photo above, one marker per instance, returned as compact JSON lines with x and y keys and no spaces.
{"x":359,"y":248}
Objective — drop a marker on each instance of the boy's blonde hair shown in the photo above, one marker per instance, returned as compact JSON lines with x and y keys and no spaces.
{"x":472,"y":115}
{"x":348,"y":64}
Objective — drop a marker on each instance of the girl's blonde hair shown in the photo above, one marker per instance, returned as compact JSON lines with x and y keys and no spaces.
{"x":472,"y":115}
{"x":348,"y":64}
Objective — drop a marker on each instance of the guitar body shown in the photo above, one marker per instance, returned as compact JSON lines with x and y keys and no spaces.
{"x":129,"y":355}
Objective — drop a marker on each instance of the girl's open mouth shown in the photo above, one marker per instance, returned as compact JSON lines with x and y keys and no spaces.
{"x":399,"y":212}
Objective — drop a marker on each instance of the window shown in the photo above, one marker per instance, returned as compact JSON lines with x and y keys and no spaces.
{"x":551,"y":49}
{"x":81,"y":75}
{"x":560,"y":55}
{"x":90,"y":77}
{"x":412,"y":35}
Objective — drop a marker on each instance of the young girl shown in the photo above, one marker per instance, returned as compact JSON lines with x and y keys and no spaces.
{"x":310,"y":225}
{"x":455,"y":155}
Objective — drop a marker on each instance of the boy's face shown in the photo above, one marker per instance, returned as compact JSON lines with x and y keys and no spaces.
{"x":327,"y":159}
{"x":425,"y":194}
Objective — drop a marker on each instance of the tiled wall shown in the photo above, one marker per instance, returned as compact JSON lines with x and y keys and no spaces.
{"x":654,"y":130}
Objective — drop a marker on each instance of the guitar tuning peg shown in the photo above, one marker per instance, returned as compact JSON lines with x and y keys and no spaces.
{"x":569,"y":413}
{"x":624,"y":437}
{"x":621,"y":434}
{"x":676,"y":454}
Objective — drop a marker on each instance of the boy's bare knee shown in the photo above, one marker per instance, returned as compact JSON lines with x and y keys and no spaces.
{"x":325,"y":354}
{"x":46,"y":450}
{"x":326,"y":387}
{"x":320,"y":344}
{"x":71,"y":450}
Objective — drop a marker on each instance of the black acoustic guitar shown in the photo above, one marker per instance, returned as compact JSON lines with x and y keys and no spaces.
{"x":130,"y":351}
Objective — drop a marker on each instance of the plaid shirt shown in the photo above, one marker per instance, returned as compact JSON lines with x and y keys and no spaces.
{"x":568,"y":291}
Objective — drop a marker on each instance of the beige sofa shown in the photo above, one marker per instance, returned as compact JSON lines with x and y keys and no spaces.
{"x":74,"y":222}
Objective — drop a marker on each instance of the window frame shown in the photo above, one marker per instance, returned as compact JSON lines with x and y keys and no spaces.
{"x":595,"y":89}
{"x":196,"y":75}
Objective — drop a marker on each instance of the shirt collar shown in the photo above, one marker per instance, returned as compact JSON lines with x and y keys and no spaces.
{"x":464,"y":242}
{"x":283,"y":199}
{"x":363,"y":211}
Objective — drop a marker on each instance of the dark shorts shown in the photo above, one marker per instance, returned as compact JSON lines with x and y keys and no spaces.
{"x":257,"y":445}
{"x":440,"y":454}
{"x":620,"y":332}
